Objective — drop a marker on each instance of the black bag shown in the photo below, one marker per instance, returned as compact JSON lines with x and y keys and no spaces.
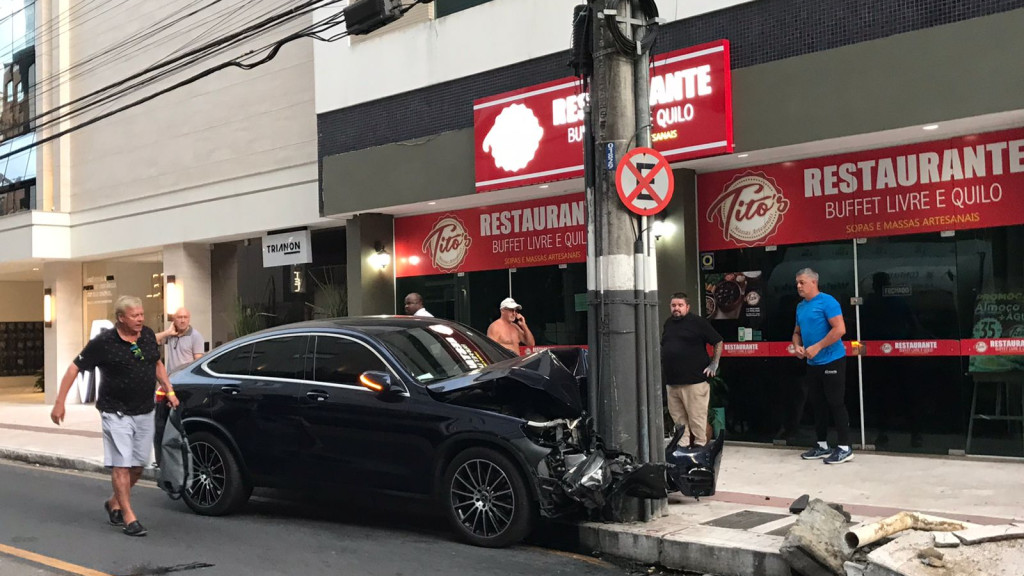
{"x":175,"y":457}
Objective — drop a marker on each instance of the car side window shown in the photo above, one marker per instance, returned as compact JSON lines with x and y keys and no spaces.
{"x":341,"y":361}
{"x":283,"y":357}
{"x":235,"y":362}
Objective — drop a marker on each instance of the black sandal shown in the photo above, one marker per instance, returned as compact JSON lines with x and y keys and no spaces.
{"x":115,"y":517}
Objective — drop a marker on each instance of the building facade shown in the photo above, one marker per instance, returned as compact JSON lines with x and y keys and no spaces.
{"x":827,"y":99}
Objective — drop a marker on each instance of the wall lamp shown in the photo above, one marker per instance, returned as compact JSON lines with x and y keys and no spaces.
{"x":48,"y":307}
{"x":380,"y":258}
{"x":662,"y":228}
{"x":172,"y":296}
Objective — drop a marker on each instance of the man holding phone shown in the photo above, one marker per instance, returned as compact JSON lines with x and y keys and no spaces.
{"x":511,"y":330}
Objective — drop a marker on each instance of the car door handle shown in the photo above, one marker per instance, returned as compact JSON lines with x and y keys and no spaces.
{"x":231,"y":389}
{"x":317,"y":396}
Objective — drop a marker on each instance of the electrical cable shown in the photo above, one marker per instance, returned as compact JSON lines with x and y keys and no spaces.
{"x":158,"y":71}
{"x":625,"y":45}
{"x":316,"y":28}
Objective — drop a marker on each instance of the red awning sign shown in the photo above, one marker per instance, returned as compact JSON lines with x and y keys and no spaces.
{"x":644,"y":181}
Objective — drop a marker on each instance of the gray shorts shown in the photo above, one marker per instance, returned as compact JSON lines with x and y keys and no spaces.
{"x":127,"y":440}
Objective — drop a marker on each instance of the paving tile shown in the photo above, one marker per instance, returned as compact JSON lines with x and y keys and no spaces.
{"x":745,"y":519}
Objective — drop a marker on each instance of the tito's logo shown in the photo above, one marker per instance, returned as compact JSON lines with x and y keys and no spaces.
{"x":514,"y":139}
{"x":447,"y":243}
{"x":750,"y":209}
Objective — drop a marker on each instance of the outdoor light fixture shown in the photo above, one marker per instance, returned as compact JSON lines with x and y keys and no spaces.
{"x":662,"y":228}
{"x":172,"y":296}
{"x":380,"y":258}
{"x":48,"y":307}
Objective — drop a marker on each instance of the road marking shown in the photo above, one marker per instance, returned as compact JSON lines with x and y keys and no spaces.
{"x":51,"y":562}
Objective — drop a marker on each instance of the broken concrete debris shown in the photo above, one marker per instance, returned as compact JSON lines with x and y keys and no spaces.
{"x":814,"y":545}
{"x":978,"y":534}
{"x":945,"y":540}
{"x":864,"y":534}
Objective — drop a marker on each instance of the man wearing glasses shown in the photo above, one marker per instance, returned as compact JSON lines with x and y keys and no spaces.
{"x":130,"y":359}
{"x":184,"y":342}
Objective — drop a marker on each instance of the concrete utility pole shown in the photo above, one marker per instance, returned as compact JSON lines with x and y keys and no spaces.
{"x":626,"y":396}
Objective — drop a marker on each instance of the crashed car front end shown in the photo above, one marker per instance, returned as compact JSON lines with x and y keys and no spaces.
{"x":579,"y":472}
{"x":572,"y":468}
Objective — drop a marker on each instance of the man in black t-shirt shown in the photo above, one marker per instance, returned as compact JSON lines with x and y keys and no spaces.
{"x":130,"y":359}
{"x":685,"y":367}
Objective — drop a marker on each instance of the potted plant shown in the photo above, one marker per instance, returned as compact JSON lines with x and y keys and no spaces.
{"x":716,"y":404}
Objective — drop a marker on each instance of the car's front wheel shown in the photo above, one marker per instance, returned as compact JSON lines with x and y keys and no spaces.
{"x":486,"y":499}
{"x":216,"y":486}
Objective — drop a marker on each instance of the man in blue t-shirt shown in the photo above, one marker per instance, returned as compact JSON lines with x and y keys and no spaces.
{"x":818,"y":338}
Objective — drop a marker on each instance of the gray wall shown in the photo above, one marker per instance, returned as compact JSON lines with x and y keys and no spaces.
{"x":397,"y":174}
{"x":942,"y":73}
{"x":370,"y":290}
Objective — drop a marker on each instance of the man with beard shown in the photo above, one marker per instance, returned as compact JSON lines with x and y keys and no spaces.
{"x":685,"y":367}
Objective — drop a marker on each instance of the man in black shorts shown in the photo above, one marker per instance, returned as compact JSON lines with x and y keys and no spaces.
{"x":130,"y":360}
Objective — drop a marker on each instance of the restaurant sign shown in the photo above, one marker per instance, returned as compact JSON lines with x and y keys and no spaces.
{"x":954,"y":184}
{"x":542,"y":232}
{"x":535,"y":134}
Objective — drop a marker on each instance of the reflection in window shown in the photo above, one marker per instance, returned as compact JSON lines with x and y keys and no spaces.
{"x":280,"y":357}
{"x":235,"y":362}
{"x":429,"y":355}
{"x":341,"y":361}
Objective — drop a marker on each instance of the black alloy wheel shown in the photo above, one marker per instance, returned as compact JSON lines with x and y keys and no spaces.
{"x":216,"y":486}
{"x":486,"y":500}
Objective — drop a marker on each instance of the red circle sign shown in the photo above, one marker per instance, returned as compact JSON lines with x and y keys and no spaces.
{"x":644,"y":181}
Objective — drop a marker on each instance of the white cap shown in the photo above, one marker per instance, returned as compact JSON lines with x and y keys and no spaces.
{"x":510,"y":304}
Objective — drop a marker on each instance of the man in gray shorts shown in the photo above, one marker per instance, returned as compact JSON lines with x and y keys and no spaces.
{"x":130,"y":359}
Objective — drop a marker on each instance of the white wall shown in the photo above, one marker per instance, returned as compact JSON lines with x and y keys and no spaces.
{"x":171,"y":170}
{"x":492,"y":35}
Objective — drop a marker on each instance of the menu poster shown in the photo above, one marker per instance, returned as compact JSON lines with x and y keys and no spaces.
{"x":734,"y":296}
{"x":998,"y":316}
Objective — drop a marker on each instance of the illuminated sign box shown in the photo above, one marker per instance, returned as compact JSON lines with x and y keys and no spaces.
{"x":535,"y":134}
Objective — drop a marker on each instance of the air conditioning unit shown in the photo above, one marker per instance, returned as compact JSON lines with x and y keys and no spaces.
{"x":365,"y":16}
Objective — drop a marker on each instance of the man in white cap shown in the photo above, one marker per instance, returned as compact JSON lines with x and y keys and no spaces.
{"x":511,"y":330}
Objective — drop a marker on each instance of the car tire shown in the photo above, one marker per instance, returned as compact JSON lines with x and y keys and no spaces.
{"x":216,"y":486}
{"x":485,"y":499}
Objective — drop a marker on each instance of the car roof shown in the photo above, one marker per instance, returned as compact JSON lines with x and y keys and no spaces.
{"x":364,"y":324}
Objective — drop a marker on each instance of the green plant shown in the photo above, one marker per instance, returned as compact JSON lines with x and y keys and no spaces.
{"x":40,"y":384}
{"x":247,"y":319}
{"x":719,"y":392}
{"x":330,"y":300}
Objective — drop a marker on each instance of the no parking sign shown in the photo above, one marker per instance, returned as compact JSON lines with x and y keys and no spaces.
{"x":644,"y":181}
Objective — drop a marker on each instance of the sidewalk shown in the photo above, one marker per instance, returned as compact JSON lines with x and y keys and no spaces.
{"x":737,"y":532}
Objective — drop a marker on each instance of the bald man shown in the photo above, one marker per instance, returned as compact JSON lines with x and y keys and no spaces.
{"x":184,"y":343}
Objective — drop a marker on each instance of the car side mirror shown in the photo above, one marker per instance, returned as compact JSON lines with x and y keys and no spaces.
{"x":380,"y":383}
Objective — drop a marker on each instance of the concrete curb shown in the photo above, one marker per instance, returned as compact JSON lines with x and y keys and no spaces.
{"x":721,"y":551}
{"x":63,"y":462}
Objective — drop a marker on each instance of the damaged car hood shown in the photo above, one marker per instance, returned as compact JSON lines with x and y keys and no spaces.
{"x":529,"y":387}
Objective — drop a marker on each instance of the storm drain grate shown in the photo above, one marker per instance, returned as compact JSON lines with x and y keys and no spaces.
{"x":744,"y":520}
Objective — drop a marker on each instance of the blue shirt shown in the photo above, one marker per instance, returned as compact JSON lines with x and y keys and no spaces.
{"x":812,"y":318}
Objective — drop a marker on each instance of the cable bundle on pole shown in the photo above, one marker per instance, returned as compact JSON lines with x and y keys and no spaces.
{"x":624,"y":44}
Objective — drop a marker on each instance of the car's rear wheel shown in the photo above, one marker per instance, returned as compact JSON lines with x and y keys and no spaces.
{"x":216,"y":486}
{"x":486,"y":499}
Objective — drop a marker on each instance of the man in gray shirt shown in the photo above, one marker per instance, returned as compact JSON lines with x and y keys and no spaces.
{"x":184,"y":343}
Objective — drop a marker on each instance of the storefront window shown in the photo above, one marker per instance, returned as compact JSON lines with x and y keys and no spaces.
{"x":941,"y":323}
{"x":553,"y":299}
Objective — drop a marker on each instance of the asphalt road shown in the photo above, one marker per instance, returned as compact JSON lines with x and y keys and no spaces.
{"x":59,"y":516}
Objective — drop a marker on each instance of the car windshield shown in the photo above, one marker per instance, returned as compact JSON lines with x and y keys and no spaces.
{"x":438,"y":351}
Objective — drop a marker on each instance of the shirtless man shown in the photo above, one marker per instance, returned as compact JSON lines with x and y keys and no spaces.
{"x":511,"y":330}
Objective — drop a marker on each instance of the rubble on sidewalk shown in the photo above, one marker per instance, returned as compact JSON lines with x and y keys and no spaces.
{"x":979,"y":534}
{"x":913,"y":554}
